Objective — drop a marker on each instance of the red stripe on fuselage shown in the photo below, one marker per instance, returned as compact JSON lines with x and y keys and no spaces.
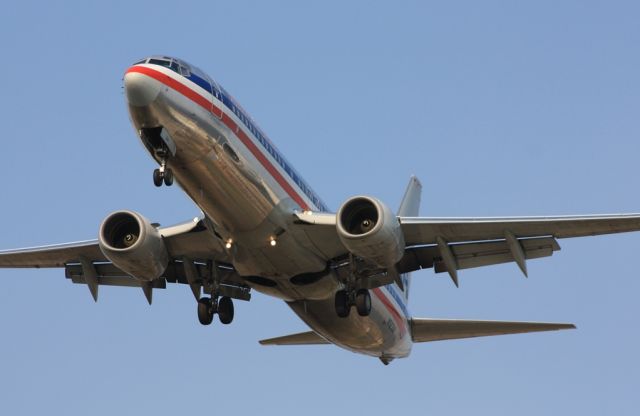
{"x":394,"y":313}
{"x":244,"y":138}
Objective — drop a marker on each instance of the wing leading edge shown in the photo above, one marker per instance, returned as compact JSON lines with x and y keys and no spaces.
{"x":451,"y":244}
{"x":419,"y":231}
{"x":195,"y":255}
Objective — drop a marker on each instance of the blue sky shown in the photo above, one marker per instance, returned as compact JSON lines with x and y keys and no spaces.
{"x":501,"y":108}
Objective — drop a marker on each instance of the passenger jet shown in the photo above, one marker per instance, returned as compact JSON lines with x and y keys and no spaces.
{"x":262,"y":227}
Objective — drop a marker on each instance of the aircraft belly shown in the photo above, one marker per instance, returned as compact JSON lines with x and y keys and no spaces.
{"x":376,"y":335}
{"x":231,"y":187}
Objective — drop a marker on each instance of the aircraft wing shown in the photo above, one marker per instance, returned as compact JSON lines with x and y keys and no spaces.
{"x":419,"y":231}
{"x":451,"y":244}
{"x":187,"y":243}
{"x":190,"y":239}
{"x":51,"y":256}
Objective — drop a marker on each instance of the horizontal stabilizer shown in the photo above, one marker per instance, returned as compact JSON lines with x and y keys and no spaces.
{"x":303,"y":338}
{"x":426,"y":330}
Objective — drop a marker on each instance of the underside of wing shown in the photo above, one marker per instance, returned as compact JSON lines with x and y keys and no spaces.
{"x":52,"y":256}
{"x":427,"y":230}
{"x":195,"y":256}
{"x":478,"y":254}
{"x":427,"y":330}
{"x":302,"y":338}
{"x":451,"y":244}
{"x":190,"y":239}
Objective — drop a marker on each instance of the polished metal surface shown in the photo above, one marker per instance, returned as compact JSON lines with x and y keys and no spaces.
{"x":248,"y":207}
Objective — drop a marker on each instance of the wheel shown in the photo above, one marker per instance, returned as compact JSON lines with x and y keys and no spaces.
{"x":225,"y":310}
{"x":363,"y":302}
{"x":342,"y":304}
{"x":168,"y":177}
{"x":157,"y":177}
{"x":205,"y":311}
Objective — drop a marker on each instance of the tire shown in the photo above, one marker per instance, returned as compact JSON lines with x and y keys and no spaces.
{"x":157,"y":177}
{"x":363,"y":302}
{"x":205,"y":311}
{"x":342,"y":304}
{"x":225,"y":310}
{"x":168,"y":177}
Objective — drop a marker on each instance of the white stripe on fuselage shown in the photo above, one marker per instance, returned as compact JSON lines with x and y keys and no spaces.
{"x":238,"y":145}
{"x":398,"y":343}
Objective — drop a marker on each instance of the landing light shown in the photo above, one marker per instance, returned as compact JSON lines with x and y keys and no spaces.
{"x":272,"y":241}
{"x":228,"y":243}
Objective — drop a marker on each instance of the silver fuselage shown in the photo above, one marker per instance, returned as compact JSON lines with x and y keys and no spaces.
{"x":240,"y":181}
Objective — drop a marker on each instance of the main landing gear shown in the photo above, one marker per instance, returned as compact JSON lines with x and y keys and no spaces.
{"x":345,"y":299}
{"x":207,"y":307}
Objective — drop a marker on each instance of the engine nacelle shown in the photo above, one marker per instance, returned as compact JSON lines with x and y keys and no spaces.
{"x":132,"y":244}
{"x":369,"y":229}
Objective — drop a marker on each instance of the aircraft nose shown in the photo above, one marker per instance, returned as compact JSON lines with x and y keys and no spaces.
{"x":140,"y":89}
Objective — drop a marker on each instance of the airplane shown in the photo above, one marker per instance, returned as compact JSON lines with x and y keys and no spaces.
{"x":345,"y":274}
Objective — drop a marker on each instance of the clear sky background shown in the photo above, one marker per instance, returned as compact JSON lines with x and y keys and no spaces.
{"x":501,"y":108}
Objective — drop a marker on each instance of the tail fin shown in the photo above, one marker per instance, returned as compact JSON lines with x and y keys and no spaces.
{"x":410,"y":207}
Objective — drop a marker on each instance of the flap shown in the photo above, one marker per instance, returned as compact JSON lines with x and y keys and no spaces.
{"x":470,"y":255}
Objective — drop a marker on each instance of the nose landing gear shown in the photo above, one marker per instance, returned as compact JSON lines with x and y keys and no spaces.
{"x":162,"y":146}
{"x":163,"y":174}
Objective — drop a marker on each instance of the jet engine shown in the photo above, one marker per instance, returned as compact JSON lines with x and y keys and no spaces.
{"x":369,"y":229}
{"x":132,"y":244}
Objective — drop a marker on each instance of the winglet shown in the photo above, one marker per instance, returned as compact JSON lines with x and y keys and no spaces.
{"x":410,"y":205}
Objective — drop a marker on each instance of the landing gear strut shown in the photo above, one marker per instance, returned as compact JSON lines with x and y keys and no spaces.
{"x":207,"y":307}
{"x":345,"y":299}
{"x":351,"y":296}
{"x":163,"y":174}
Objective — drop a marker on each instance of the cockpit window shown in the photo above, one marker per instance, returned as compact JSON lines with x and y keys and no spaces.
{"x":141,"y":61}
{"x":161,"y":62}
{"x":172,"y":64}
{"x":185,"y":71}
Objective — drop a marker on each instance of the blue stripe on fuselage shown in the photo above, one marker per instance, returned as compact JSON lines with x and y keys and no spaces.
{"x":200,"y":82}
{"x":399,"y":299}
{"x":266,"y":144}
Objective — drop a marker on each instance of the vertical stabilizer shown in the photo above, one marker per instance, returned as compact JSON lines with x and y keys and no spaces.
{"x":410,"y":207}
